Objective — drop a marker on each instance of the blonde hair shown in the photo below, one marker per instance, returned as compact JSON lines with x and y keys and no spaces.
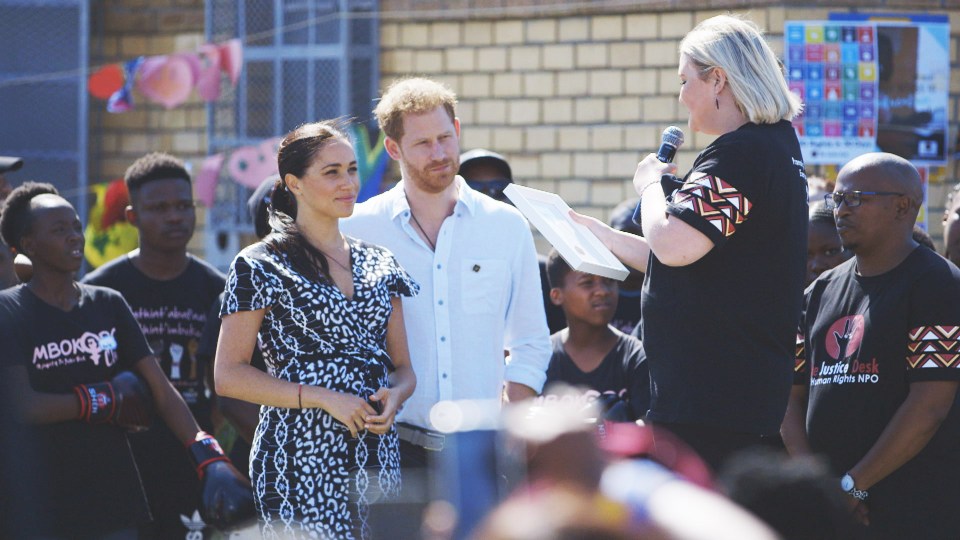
{"x":754,"y":74}
{"x":411,"y":96}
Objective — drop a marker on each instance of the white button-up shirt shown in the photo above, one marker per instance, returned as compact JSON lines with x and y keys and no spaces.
{"x":479,"y":295}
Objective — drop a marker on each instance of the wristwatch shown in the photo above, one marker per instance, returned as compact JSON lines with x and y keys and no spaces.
{"x":847,"y":484}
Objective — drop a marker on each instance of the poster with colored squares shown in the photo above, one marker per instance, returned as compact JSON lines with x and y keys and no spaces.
{"x":871,"y":82}
{"x":833,"y":68}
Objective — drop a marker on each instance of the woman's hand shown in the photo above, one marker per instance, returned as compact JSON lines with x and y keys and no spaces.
{"x":649,"y":172}
{"x":350,"y":410}
{"x":389,"y":403}
{"x":601,"y":230}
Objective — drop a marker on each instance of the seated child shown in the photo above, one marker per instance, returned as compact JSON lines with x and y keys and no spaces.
{"x":602,"y":362}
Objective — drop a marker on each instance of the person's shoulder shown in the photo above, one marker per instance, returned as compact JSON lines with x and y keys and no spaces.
{"x":374,"y":207}
{"x":757,"y":133}
{"x":110,"y":271}
{"x":12,"y":296}
{"x":929,"y":267}
{"x":257,"y":251}
{"x":369,"y":248}
{"x":13,"y":300}
{"x":206,"y":269}
{"x":100,"y":293}
{"x":490,"y":208}
{"x":751,"y":141}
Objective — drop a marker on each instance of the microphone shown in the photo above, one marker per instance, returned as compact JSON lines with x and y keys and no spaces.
{"x":670,"y":140}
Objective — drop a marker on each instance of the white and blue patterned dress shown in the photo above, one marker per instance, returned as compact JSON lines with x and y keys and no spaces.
{"x":310,"y":477}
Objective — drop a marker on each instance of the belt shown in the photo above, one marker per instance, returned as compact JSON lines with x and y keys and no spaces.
{"x":428,"y":440}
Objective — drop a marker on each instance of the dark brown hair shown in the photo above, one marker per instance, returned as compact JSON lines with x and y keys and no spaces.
{"x":296,"y":153}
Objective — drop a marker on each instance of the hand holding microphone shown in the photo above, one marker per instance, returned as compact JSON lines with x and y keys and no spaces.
{"x":670,"y":140}
{"x":654,"y":166}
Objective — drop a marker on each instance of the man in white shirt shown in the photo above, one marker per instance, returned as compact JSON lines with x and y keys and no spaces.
{"x":474,"y":259}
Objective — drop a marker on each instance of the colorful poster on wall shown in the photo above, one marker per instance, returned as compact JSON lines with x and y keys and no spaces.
{"x":833,"y":68}
{"x":870,"y":83}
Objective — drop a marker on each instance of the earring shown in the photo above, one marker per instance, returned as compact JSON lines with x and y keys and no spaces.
{"x":718,"y":102}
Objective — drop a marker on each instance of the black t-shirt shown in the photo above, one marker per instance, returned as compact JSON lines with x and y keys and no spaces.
{"x":864,"y":340}
{"x":172,"y":314}
{"x":627,"y":317}
{"x":83,"y":474}
{"x":719,"y":333}
{"x":622,"y":376}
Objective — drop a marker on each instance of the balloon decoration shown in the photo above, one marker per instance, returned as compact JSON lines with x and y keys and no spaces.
{"x":108,"y":234}
{"x":168,"y":79}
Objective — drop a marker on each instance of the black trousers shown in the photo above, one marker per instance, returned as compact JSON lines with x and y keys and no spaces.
{"x":716,"y":445}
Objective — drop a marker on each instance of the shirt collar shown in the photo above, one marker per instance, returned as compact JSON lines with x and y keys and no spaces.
{"x":466,"y":198}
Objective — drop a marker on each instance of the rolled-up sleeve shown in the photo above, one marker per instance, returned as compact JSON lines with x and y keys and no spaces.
{"x":526,"y":337}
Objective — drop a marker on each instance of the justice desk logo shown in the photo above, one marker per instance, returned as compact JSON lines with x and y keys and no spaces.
{"x":843,"y":341}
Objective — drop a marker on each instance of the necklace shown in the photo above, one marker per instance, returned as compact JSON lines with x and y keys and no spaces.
{"x":340,"y":264}
{"x":416,"y":222}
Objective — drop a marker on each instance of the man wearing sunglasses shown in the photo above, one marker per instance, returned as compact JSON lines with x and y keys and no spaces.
{"x":878,"y":360}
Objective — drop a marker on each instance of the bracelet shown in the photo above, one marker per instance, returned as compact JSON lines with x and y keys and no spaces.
{"x":646,"y":186}
{"x":300,"y":395}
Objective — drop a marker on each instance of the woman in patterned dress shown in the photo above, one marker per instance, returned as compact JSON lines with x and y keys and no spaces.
{"x":326,"y":311}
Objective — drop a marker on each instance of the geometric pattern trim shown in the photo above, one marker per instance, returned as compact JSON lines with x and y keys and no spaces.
{"x":716,"y":201}
{"x":934,"y":347}
{"x":801,"y":355}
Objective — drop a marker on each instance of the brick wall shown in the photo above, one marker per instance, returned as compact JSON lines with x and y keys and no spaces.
{"x":573,"y":93}
{"x":123,"y":30}
{"x":574,"y":96}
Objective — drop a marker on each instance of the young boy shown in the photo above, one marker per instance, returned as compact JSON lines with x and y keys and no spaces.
{"x":590,"y":354}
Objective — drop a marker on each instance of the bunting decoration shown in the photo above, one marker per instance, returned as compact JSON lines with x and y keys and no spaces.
{"x":168,"y":79}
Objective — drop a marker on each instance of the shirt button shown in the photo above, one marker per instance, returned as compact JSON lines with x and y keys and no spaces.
{"x":443,"y":338}
{"x":444,"y":375}
{"x":440,"y":302}
{"x":439,"y":266}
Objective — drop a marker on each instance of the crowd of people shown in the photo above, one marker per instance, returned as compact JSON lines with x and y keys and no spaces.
{"x":771,"y":391}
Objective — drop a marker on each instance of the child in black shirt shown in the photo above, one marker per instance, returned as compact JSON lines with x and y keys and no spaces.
{"x":608,"y":364}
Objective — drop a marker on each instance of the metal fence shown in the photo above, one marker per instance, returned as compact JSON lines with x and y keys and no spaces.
{"x":304,"y":60}
{"x":43,"y":98}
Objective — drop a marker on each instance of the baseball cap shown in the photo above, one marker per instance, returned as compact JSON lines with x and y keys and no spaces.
{"x":259,"y":205}
{"x":482,"y":155}
{"x":10,"y":163}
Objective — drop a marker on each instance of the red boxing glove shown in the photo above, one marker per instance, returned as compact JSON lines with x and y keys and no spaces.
{"x":125,"y":401}
{"x":226,"y":497}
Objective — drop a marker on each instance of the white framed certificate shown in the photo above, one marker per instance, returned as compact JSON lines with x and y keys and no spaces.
{"x":582,"y":250}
